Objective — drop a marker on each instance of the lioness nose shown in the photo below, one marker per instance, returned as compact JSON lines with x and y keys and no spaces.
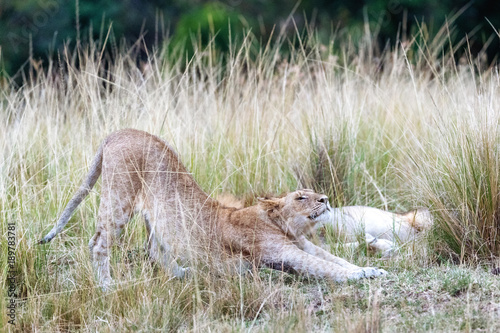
{"x":323,"y":199}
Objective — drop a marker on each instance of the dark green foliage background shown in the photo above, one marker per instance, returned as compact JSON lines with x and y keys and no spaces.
{"x":42,"y":27}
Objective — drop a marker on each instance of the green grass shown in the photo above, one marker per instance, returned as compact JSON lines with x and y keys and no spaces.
{"x":420,"y":132}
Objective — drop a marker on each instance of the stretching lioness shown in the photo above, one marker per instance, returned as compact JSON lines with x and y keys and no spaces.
{"x":140,"y":172}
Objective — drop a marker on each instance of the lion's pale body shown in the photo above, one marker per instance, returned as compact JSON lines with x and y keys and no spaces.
{"x":382,"y":229}
{"x":142,"y":173}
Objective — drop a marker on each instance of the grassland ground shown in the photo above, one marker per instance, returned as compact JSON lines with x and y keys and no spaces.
{"x":421,"y":130}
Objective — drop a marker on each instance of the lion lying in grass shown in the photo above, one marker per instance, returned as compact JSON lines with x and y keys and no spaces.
{"x":383,"y":231}
{"x":142,"y":173}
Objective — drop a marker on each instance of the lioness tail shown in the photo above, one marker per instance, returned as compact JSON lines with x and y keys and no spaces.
{"x":83,"y":191}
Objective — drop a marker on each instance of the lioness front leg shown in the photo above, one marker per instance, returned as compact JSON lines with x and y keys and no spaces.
{"x":314,"y":250}
{"x":305,"y":263}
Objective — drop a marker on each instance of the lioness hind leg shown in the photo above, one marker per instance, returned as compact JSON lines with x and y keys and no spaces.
{"x":99,"y":253}
{"x":161,"y":252}
{"x":110,"y":223}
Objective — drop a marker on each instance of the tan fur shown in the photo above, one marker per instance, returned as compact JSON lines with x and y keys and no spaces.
{"x":142,"y":173}
{"x":381,"y":230}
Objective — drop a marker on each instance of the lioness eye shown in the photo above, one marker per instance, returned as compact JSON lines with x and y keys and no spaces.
{"x":301,"y":198}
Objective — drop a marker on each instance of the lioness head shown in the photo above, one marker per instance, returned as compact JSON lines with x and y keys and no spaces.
{"x":297,"y":212}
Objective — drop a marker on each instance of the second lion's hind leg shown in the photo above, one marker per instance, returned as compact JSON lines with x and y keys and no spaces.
{"x":380,"y":245}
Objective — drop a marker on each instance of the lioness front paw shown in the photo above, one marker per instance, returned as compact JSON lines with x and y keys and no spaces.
{"x":356,"y":275}
{"x":371,"y":272}
{"x":366,"y":272}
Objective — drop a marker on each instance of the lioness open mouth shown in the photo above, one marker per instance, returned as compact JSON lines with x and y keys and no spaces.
{"x":315,"y":215}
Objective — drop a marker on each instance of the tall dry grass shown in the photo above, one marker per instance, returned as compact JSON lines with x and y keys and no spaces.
{"x":410,"y":126}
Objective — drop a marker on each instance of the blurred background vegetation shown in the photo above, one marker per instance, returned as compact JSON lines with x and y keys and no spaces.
{"x":37,"y":29}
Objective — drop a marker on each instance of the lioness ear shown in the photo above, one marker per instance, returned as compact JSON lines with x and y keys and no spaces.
{"x":269,"y":204}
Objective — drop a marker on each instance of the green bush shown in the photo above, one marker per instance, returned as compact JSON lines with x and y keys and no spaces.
{"x":212,"y":23}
